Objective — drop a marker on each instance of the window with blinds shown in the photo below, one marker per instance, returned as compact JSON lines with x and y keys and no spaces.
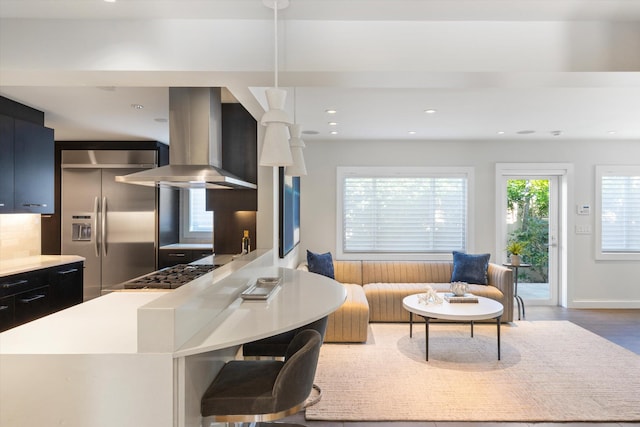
{"x":200,"y":221}
{"x":618,"y":209}
{"x":196,"y":222}
{"x":403,"y":211}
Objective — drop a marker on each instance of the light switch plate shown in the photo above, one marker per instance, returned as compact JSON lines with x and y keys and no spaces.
{"x":583,"y":229}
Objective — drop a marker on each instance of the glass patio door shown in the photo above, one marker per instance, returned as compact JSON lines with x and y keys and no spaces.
{"x":531,"y":218}
{"x":532,"y":210}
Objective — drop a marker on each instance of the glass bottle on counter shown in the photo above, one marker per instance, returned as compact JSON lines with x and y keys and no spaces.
{"x":246,"y":242}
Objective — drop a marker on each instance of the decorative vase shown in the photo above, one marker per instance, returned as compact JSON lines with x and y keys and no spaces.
{"x":459,"y":288}
{"x":515,"y":260}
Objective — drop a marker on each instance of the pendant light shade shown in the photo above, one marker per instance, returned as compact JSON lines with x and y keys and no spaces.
{"x":298,"y":168}
{"x":275,"y":146}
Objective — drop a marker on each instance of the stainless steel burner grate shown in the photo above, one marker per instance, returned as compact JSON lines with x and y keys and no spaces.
{"x":170,"y":277}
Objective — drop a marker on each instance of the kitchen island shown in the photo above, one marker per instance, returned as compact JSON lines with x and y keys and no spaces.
{"x":145,"y":358}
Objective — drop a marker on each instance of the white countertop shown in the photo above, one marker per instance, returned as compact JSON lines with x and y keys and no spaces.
{"x":302,"y":298}
{"x":23,"y":265}
{"x":204,"y":315}
{"x":104,"y":325}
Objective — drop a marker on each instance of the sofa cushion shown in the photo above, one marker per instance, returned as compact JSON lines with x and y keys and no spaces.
{"x":350,"y":322}
{"x":406,"y":272}
{"x":385,"y":299}
{"x":321,"y":264}
{"x":470,"y":268}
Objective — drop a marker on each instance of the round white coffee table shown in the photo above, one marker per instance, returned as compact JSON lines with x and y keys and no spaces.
{"x":484,"y":309}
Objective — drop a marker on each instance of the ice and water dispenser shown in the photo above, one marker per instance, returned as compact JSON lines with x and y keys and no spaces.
{"x":81,"y":231}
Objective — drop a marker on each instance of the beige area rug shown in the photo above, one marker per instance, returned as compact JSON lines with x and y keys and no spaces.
{"x":551,"y":371}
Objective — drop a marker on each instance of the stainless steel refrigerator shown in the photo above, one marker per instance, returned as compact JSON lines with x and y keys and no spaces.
{"x":113,"y":225}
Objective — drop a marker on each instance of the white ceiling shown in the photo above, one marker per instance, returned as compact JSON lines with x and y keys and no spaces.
{"x":492,"y":66}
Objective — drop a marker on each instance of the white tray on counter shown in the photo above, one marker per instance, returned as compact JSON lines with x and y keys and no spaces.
{"x":262,"y":289}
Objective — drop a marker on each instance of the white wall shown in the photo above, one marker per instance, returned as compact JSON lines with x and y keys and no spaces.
{"x":601,"y":284}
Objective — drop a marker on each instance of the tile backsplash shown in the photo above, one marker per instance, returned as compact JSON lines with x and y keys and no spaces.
{"x":19,"y":236}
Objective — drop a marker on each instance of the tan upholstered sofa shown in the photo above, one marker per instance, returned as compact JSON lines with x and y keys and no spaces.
{"x":375,"y":290}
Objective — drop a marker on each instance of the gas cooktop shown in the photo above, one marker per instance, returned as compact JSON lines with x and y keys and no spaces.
{"x":170,"y":277}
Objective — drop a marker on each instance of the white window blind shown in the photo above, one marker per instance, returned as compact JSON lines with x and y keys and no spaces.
{"x":618,"y":212}
{"x":404,"y":214}
{"x":200,"y":220}
{"x":621,"y":213}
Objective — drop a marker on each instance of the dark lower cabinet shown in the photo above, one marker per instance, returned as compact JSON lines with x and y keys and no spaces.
{"x":28,"y":296}
{"x":66,"y":285}
{"x":171,"y":257}
{"x":7,"y":313}
{"x":32,"y":304}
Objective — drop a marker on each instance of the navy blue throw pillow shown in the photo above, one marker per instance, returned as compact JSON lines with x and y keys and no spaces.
{"x":320,"y":263}
{"x":470,"y":268}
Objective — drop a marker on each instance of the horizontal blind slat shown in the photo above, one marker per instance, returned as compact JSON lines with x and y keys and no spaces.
{"x":400,"y":214}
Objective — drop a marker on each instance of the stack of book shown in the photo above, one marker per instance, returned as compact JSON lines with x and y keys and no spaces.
{"x":466,"y":298}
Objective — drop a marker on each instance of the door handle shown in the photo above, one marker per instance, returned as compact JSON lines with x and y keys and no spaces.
{"x":32,"y":299}
{"x":11,"y":285}
{"x":96,"y":203}
{"x":64,"y":273}
{"x":104,"y":226}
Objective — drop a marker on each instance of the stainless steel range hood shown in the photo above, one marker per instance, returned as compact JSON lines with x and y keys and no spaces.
{"x":195,"y":145}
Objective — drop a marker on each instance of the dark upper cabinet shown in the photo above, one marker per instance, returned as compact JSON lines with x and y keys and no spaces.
{"x":26,"y":167}
{"x":240,"y":157}
{"x":6,"y":164}
{"x":33,"y":168}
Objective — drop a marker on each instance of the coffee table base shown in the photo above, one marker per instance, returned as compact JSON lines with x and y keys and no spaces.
{"x":426,"y":329}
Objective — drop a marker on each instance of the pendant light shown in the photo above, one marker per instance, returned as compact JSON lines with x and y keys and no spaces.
{"x":298,"y":168}
{"x":275,"y":145}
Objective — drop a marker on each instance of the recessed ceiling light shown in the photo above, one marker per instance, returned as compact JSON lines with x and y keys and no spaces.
{"x":412,"y":132}
{"x":334,"y":132}
{"x":137,"y":106}
{"x":333,"y":123}
{"x":612,"y":132}
{"x":430,"y":111}
{"x":109,"y":1}
{"x":500,"y":132}
{"x":556,"y":132}
{"x":331,"y":111}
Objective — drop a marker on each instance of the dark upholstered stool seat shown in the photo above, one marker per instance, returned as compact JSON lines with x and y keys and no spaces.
{"x":264,"y":390}
{"x":276,"y":346}
{"x":243,"y":387}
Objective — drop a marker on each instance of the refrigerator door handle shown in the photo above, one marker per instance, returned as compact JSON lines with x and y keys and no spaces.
{"x":96,"y":202}
{"x":104,"y":226}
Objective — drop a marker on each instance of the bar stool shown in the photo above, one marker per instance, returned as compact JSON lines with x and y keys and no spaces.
{"x":276,"y":346}
{"x":264,"y":390}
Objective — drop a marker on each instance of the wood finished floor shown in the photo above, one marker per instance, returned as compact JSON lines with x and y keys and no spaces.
{"x":619,"y":326}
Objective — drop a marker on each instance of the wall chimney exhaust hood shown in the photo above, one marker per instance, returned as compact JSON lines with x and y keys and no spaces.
{"x":195,"y":145}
